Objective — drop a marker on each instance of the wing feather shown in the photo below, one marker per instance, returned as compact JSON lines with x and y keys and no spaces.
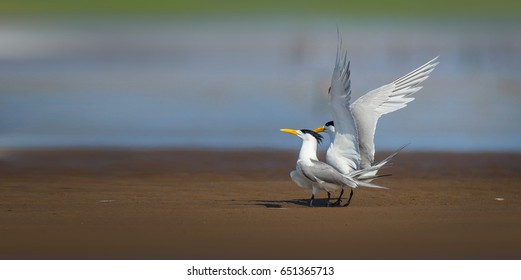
{"x":322,"y":172}
{"x":370,"y":107}
{"x":345,"y":145}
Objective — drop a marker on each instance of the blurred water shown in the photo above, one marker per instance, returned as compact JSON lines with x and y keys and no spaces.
{"x":234,"y":83}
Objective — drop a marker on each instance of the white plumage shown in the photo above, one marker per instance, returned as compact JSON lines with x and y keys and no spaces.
{"x":317,"y":175}
{"x":343,"y":152}
{"x":370,"y":107}
{"x":351,"y":151}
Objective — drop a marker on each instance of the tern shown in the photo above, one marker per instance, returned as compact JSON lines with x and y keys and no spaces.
{"x":353,"y":127}
{"x":320,"y":176}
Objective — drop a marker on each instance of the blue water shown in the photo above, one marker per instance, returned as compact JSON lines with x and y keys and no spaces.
{"x":234,"y":83}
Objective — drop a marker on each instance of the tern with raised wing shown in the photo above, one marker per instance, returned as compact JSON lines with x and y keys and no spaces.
{"x":353,"y":127}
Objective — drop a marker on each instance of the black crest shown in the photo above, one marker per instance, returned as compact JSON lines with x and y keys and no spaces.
{"x":316,"y":135}
{"x":330,"y":123}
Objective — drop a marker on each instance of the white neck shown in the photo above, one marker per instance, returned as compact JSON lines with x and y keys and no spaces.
{"x":331,"y":135}
{"x":308,"y":150}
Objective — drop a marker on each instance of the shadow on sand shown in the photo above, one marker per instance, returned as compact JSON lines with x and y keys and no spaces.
{"x":304,"y":202}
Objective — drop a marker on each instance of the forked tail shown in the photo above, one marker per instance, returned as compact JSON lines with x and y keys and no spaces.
{"x":354,"y":183}
{"x":370,"y":172}
{"x":368,"y":185}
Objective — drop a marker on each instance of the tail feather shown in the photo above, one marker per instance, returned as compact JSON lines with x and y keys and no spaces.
{"x":390,"y":157}
{"x":353,"y":183}
{"x":368,"y":185}
{"x":371,"y":171}
{"x":370,"y":178}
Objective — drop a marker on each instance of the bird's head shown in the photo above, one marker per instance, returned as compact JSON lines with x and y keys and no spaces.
{"x":329,"y":128}
{"x":305,"y":134}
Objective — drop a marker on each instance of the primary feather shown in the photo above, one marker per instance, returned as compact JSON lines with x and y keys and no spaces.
{"x":370,"y":107}
{"x":345,"y":145}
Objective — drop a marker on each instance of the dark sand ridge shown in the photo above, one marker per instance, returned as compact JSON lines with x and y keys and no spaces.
{"x":183,"y":204}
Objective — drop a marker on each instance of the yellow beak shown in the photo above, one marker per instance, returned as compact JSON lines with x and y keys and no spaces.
{"x":289,"y":130}
{"x":319,"y":129}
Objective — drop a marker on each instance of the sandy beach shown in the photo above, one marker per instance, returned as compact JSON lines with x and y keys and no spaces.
{"x":197,"y":204}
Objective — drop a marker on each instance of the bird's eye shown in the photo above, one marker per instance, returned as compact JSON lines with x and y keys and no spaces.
{"x":329,"y":90}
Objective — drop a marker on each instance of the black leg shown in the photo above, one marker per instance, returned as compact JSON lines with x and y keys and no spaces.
{"x":311,"y":200}
{"x":337,"y":202}
{"x":328,"y":198}
{"x":349,"y":201}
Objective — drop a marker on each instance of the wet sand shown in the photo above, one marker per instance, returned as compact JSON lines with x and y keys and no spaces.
{"x":189,"y":204}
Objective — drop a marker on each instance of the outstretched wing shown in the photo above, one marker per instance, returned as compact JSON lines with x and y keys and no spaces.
{"x":345,"y":146}
{"x":370,"y":107}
